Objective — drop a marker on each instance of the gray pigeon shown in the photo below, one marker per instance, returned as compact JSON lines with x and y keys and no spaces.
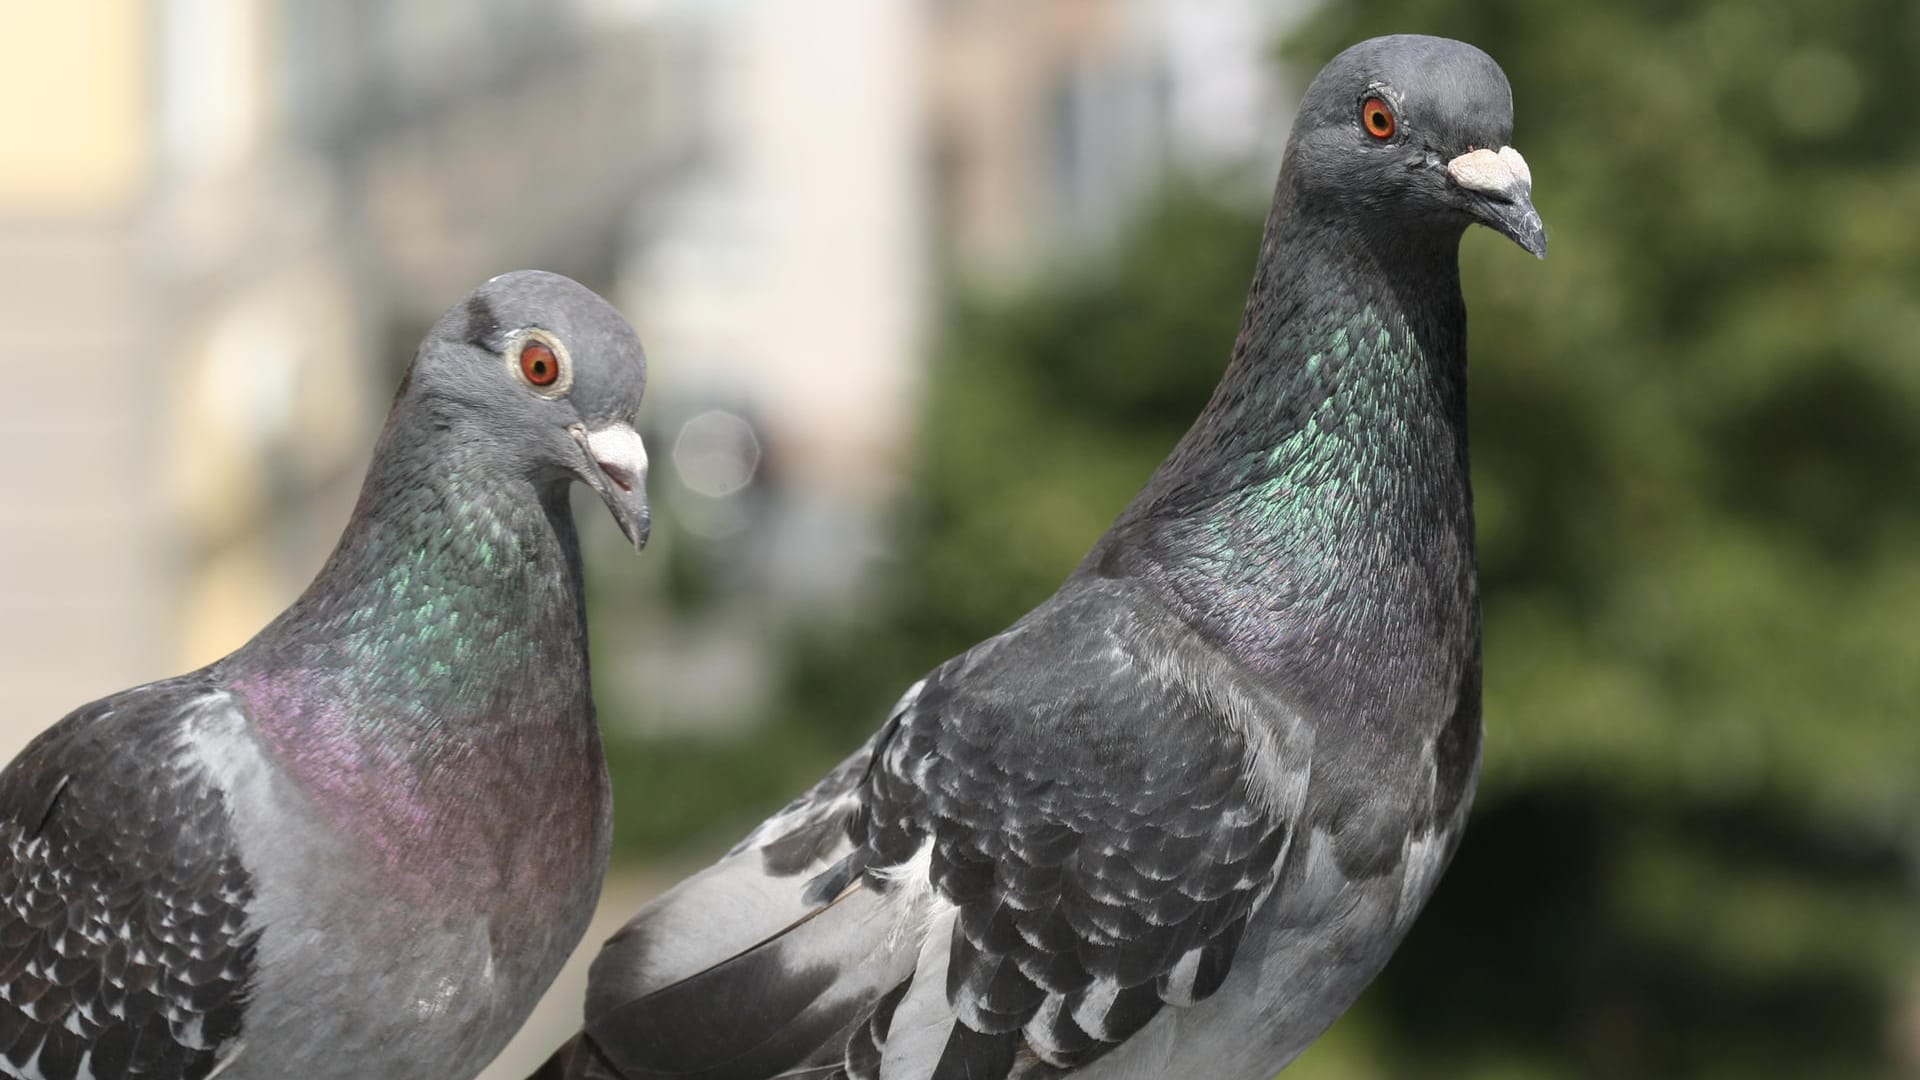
{"x":361,"y":845}
{"x":1173,"y":820}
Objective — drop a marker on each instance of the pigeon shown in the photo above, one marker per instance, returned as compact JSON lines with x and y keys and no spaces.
{"x":362,"y":844}
{"x":1174,"y":819}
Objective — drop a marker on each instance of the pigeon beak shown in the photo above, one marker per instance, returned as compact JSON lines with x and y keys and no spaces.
{"x":616,"y":467}
{"x":1502,"y":189}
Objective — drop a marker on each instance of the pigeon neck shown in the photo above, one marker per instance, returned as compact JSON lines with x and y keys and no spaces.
{"x":1352,"y":346}
{"x":1331,"y":464}
{"x":456,"y":572}
{"x":438,"y":664}
{"x":450,"y":611}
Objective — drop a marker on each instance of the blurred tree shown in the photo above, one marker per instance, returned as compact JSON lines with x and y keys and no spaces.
{"x":1697,"y":455}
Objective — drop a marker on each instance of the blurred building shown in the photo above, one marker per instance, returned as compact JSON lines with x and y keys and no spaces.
{"x":223,"y":224}
{"x":856,"y":160}
{"x":1052,"y":121}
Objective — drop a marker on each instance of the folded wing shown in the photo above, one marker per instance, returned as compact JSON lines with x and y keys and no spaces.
{"x":124,"y":945}
{"x":1056,"y":836}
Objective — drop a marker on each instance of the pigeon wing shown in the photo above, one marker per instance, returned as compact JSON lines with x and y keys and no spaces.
{"x":1100,"y":808}
{"x":1057,"y":834}
{"x":124,"y":946}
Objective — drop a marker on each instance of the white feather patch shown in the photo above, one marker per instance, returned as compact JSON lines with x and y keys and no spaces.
{"x":1095,"y":1002}
{"x":1039,"y":1031}
{"x":916,"y":906}
{"x":1180,"y":980}
{"x":1420,"y":869}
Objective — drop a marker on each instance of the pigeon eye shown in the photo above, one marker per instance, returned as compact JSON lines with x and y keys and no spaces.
{"x":541,"y":363}
{"x":1378,"y":119}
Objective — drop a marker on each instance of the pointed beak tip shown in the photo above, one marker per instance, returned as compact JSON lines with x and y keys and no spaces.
{"x":1535,"y":241}
{"x":1519,"y":223}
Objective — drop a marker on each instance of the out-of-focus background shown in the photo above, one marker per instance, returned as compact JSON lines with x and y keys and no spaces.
{"x":929,"y":287}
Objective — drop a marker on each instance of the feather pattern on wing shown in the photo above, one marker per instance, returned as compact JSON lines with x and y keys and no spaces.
{"x":1051,"y":839}
{"x":123,"y":921}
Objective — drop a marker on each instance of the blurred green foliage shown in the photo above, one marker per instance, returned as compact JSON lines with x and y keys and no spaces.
{"x":1696,"y":436}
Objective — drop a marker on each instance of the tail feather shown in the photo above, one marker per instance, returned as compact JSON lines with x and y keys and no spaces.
{"x":786,"y":1003}
{"x":711,"y":917}
{"x":577,"y":1059}
{"x":749,"y":896}
{"x":760,"y":966}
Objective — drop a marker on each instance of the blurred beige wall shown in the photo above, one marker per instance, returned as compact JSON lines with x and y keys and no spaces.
{"x":75,"y":136}
{"x":77,"y":580}
{"x":155,"y":256}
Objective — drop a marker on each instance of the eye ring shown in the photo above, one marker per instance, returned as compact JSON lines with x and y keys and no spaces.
{"x":540,"y":362}
{"x":1376,"y":116}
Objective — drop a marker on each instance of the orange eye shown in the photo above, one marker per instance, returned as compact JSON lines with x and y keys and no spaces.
{"x":538,"y":364}
{"x":1377,"y":116}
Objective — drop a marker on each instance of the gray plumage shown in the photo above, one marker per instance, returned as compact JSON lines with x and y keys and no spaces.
{"x":362,"y":844}
{"x":1172,"y":821}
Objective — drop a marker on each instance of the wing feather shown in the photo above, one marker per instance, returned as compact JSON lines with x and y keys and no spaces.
{"x":1094,"y":824}
{"x":1056,"y":835}
{"x":124,"y":944}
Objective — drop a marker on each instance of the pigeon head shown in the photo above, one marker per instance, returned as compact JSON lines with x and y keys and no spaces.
{"x":543,"y":375}
{"x":1413,"y":132}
